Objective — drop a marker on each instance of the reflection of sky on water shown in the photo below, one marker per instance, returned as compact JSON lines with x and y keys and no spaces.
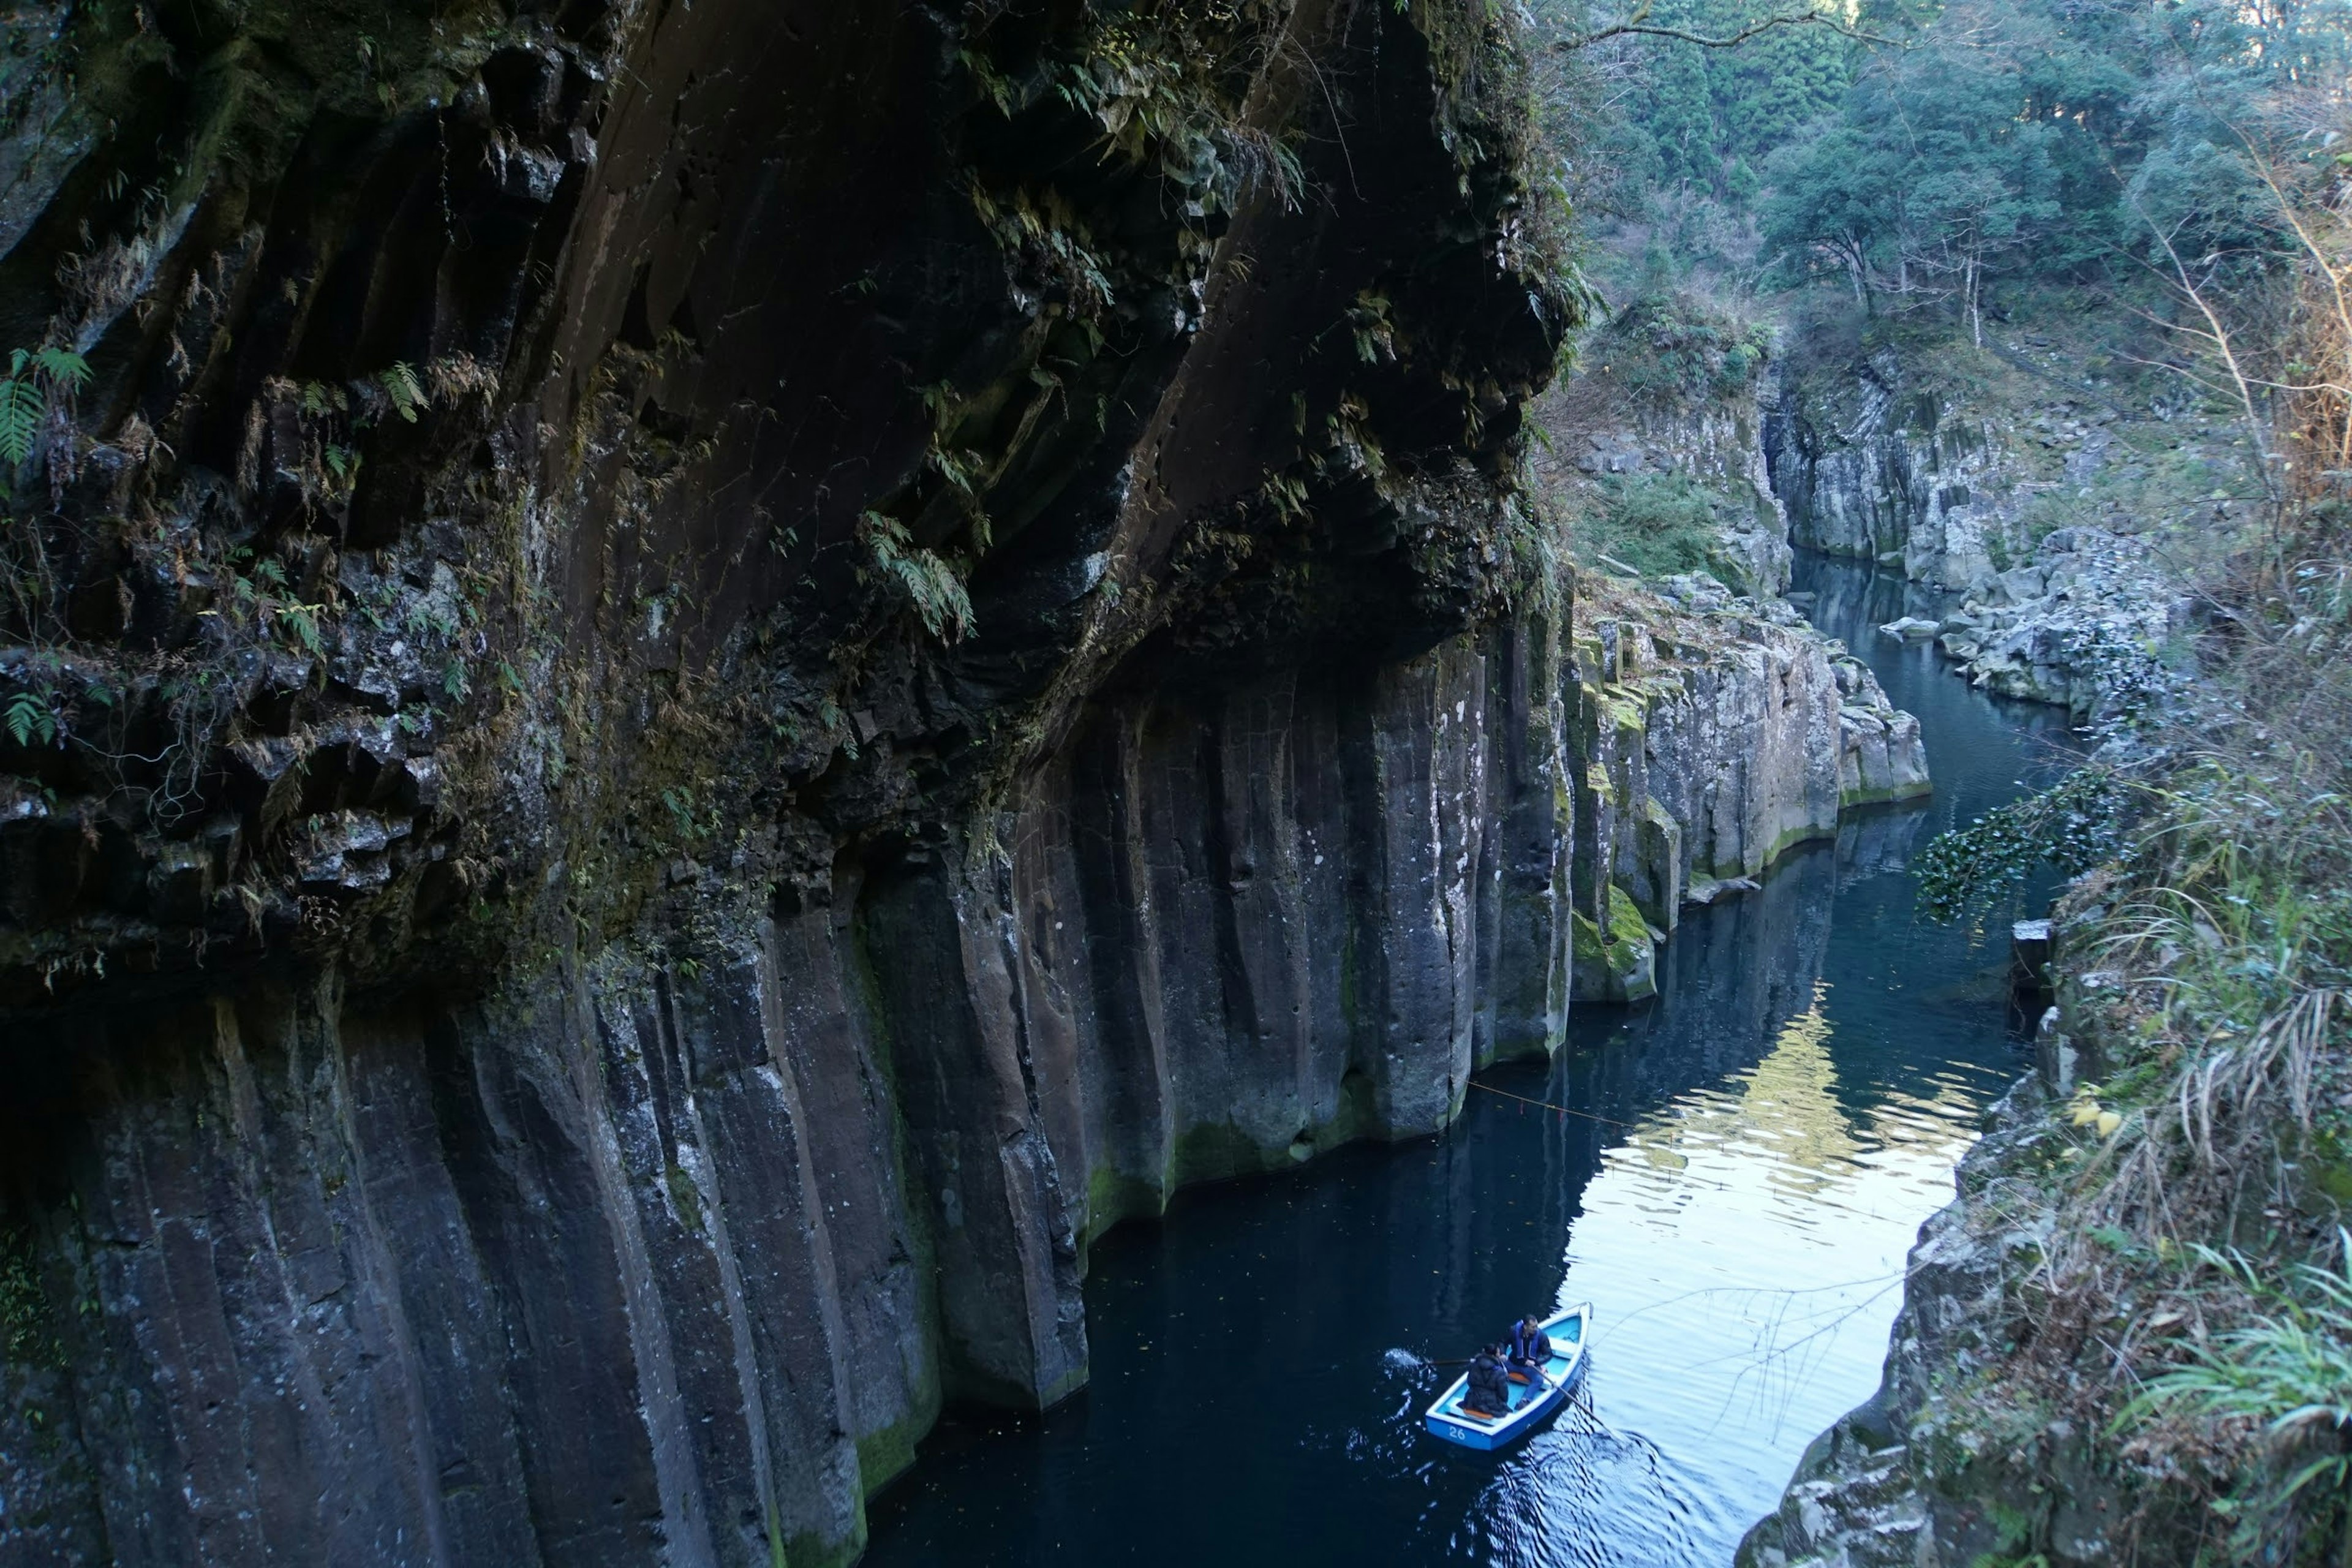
{"x":1748,"y":1165}
{"x":1751,"y":1236}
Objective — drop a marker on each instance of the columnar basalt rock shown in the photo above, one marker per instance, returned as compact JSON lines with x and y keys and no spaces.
{"x":1896,"y":474}
{"x":699,"y":685}
{"x":1716,"y":734}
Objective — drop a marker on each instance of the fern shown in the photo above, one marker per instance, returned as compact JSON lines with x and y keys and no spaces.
{"x":930,"y":583}
{"x":36,"y":379}
{"x":301,"y":621}
{"x":29,"y":720}
{"x":407,"y":393}
{"x":60,"y":368}
{"x":22,"y":405}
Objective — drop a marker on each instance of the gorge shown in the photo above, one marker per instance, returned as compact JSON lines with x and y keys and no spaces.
{"x":689,"y":691}
{"x":1786,"y":1114}
{"x":667,"y":767}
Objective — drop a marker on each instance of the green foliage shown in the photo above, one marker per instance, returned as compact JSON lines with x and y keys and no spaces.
{"x":1708,"y":113}
{"x":1671,"y":350}
{"x":2040,"y":139}
{"x":31,"y":720}
{"x":1659,"y":524}
{"x":1375,"y":333}
{"x":928,"y":583}
{"x":1042,"y":225}
{"x":301,"y":622}
{"x":2073,"y":825}
{"x":2289,"y":1371}
{"x":37,"y":380}
{"x":1158,"y":80}
{"x":407,"y":393}
{"x":691,"y":824}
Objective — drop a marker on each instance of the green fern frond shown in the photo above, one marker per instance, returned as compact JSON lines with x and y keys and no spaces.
{"x":930,"y":584}
{"x":63,"y":367}
{"x":23,"y":405}
{"x":30,"y":721}
{"x":36,"y":379}
{"x":407,"y":393}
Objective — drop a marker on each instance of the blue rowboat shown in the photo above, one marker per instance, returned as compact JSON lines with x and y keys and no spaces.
{"x":1531,"y":1401}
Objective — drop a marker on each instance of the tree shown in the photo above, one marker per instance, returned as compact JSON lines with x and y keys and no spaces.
{"x":1836,"y":195}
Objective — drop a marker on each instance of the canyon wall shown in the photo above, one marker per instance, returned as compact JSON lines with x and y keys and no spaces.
{"x":696,"y":685}
{"x":1713,"y":735}
{"x":1669,"y":394}
{"x":678,"y":1250}
{"x":1873,"y":465}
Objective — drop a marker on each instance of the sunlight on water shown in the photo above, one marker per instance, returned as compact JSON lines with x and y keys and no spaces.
{"x":1745,"y":1168}
{"x":1750,"y":1237}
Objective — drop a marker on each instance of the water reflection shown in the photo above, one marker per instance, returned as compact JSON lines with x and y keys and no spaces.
{"x":1734,"y":1179}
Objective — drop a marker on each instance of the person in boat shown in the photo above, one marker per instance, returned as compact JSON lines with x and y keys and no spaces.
{"x":1531,"y":1346}
{"x":1489,"y":1390}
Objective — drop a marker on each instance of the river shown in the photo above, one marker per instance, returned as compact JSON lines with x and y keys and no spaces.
{"x":1745,"y":1168}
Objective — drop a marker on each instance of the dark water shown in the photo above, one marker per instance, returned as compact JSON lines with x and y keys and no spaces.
{"x":1753,"y":1156}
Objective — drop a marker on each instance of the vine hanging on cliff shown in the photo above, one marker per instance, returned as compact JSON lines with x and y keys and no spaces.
{"x":2075,"y":825}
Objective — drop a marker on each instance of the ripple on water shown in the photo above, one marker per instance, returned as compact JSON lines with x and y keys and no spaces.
{"x":1772,"y":1135}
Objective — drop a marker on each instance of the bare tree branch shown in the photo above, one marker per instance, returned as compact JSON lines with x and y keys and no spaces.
{"x":1638,"y":24}
{"x":2217,"y":334}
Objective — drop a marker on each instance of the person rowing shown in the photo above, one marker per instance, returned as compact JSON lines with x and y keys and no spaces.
{"x":1531,"y":1346}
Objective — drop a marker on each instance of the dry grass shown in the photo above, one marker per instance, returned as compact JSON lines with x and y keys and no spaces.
{"x":2193,"y":1300}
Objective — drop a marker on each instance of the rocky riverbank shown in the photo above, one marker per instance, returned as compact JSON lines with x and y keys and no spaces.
{"x":1892,"y":1484}
{"x":2087,"y":623}
{"x":2067,"y":1273}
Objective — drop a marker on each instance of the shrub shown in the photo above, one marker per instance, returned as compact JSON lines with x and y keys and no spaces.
{"x":1658,"y":524}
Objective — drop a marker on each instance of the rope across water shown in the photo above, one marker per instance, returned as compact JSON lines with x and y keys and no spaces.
{"x":1547,"y":1105}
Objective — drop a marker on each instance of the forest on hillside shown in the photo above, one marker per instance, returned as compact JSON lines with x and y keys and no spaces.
{"x":1949,"y":158}
{"x":2117,"y":236}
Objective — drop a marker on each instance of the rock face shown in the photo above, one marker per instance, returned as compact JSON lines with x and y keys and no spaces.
{"x":1883,"y":473}
{"x":2084,"y":624}
{"x":1613,"y":423}
{"x":1716,"y":734}
{"x":696,"y":685}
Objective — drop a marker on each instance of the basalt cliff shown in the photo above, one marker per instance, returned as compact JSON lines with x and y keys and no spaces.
{"x":695,"y":684}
